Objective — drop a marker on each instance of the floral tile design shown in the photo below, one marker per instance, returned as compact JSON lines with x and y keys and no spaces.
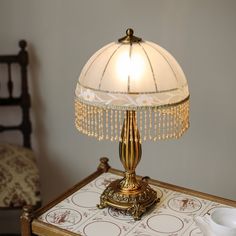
{"x":173,"y":216}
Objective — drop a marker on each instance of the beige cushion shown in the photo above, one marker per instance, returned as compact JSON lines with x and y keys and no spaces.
{"x":19,"y":177}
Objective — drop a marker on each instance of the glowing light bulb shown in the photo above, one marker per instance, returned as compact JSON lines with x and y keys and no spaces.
{"x":130,"y":67}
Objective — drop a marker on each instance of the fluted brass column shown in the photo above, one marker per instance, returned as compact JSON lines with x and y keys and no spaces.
{"x":129,"y":194}
{"x":130,"y":151}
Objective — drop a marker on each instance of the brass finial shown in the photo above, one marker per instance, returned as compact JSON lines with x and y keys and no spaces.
{"x":129,"y":38}
{"x":129,"y":32}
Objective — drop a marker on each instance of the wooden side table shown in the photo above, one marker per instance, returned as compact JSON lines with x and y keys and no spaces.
{"x":75,"y":212}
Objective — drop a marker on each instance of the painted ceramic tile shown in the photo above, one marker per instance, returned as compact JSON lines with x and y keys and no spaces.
{"x":173,"y":216}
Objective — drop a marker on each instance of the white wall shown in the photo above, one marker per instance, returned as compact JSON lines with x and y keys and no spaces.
{"x":63,"y":34}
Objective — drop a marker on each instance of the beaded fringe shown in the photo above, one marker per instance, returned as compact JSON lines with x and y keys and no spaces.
{"x":155,"y":123}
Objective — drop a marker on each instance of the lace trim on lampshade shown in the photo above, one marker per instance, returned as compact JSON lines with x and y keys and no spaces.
{"x":130,"y":101}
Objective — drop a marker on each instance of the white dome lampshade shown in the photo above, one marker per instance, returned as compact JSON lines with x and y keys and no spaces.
{"x":140,"y":76}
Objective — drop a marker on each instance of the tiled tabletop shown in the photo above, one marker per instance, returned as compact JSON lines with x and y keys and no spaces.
{"x":173,"y":216}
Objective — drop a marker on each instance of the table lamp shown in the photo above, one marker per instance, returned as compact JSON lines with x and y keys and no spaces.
{"x":131,"y":91}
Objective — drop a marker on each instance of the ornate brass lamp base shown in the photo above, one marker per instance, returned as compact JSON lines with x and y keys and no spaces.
{"x":134,"y":202}
{"x":129,"y":194}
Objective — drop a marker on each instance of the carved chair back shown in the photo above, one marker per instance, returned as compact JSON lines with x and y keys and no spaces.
{"x":23,"y":100}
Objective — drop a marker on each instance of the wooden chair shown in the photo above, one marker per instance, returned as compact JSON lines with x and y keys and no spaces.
{"x":19,"y":176}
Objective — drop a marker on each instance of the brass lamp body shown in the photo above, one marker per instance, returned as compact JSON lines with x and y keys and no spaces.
{"x":164,"y":118}
{"x":129,"y":194}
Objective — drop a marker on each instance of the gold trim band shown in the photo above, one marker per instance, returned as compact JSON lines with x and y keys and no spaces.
{"x":130,"y":107}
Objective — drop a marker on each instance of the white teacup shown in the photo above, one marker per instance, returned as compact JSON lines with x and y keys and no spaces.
{"x":222,"y":222}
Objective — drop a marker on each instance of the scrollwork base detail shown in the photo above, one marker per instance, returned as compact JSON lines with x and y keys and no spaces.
{"x":134,"y":202}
